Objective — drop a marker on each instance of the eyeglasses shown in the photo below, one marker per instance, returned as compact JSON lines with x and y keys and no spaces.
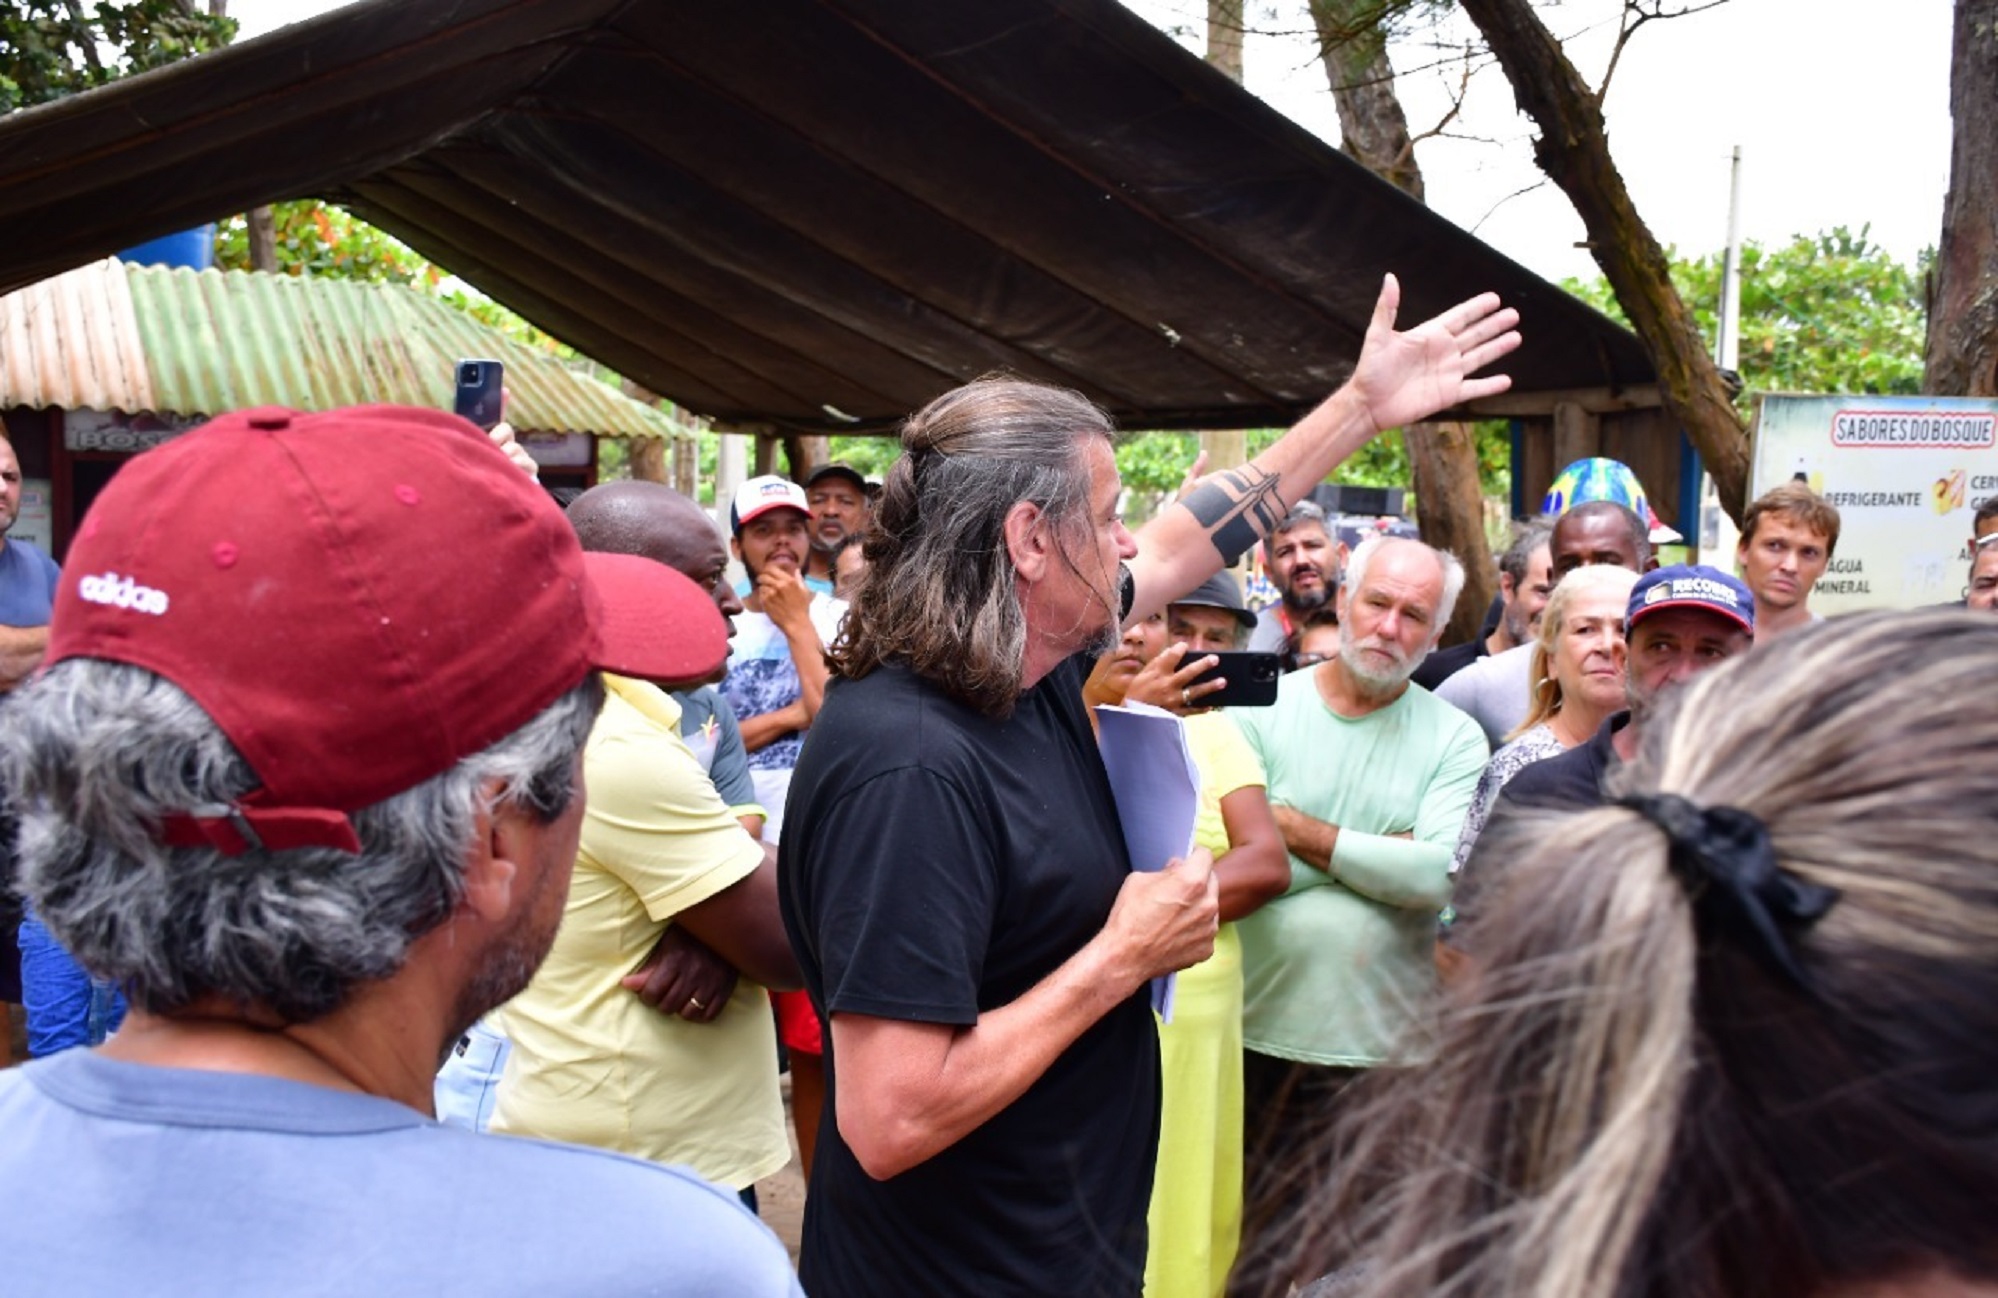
{"x":1300,"y":661}
{"x":1984,"y":540}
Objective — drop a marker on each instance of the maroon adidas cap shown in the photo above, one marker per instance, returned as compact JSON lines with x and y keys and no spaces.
{"x":360,"y":599}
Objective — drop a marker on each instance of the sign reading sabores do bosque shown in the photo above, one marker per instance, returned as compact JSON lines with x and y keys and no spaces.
{"x":1905,"y":473}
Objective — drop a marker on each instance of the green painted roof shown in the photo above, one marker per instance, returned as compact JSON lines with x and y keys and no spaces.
{"x":183,"y":342}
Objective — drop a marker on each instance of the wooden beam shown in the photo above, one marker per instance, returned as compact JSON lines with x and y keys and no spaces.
{"x":1596,"y":401}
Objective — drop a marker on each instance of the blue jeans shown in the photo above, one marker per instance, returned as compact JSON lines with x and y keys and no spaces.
{"x":66,"y":1006}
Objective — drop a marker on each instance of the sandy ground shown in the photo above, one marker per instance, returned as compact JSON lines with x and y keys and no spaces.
{"x":780,"y":1200}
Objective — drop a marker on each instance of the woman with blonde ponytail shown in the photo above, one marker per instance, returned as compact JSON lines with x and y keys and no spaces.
{"x":1733,"y":1035}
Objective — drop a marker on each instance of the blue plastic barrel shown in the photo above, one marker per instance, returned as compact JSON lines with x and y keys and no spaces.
{"x":194,"y":249}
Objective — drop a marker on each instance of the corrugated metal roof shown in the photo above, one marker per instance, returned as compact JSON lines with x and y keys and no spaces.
{"x":113,"y":336}
{"x":809,"y":212}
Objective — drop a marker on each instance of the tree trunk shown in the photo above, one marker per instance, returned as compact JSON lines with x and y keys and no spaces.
{"x":1573,"y":149}
{"x":1373,"y":130}
{"x":804,"y":452}
{"x":1962,"y":352}
{"x":647,"y":458}
{"x":1442,"y":457}
{"x":263,"y":239}
{"x":687,"y":467}
{"x":1444,"y":461}
{"x":1224,"y":36}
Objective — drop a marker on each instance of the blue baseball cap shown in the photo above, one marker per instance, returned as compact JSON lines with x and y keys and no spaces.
{"x":1691,"y":586}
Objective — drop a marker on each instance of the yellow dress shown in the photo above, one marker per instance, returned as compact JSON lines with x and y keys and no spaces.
{"x":1196,"y":1211}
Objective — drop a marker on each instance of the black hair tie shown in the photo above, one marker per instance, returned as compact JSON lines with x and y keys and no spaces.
{"x":1723,"y":858}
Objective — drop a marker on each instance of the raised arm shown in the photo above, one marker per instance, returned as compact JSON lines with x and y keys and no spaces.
{"x":788,"y":603}
{"x":1399,"y":378}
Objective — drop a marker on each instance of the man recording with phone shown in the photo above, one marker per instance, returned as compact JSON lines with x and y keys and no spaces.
{"x":1203,"y":665}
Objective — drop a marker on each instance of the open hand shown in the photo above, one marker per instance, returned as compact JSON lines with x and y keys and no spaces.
{"x":1405,"y":377}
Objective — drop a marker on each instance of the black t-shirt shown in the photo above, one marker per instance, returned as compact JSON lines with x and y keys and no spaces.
{"x":936,"y":864}
{"x":1570,"y":781}
{"x":1445,"y":663}
{"x":1567,"y":781}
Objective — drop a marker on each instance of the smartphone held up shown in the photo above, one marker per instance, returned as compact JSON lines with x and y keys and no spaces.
{"x":1251,"y":680}
{"x":480,"y":391}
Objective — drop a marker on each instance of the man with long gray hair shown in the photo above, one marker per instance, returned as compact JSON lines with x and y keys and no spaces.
{"x":955,"y":880}
{"x":303,"y":778}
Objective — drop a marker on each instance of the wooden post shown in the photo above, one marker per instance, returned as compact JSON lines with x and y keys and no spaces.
{"x":1227,"y":448}
{"x":1578,"y":434}
{"x":804,"y":452}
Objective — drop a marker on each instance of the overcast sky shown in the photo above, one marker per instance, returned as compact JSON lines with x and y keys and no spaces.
{"x":1841,"y":108}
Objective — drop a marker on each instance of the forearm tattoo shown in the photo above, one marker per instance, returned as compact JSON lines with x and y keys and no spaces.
{"x":1238,"y":507}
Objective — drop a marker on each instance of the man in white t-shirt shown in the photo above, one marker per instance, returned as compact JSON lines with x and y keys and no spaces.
{"x":776,"y":663}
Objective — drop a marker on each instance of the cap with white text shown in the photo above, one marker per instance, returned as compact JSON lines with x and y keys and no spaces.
{"x":759,"y":496}
{"x":360,"y":599}
{"x":1691,"y":586}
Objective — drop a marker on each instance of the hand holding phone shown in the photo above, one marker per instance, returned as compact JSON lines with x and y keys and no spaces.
{"x":1250,"y":681}
{"x":480,"y":391}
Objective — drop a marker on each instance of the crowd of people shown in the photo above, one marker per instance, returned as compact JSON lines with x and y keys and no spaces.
{"x":1591,"y":956}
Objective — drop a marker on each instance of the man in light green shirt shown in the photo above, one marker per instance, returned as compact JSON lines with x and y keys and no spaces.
{"x":1369,"y":778}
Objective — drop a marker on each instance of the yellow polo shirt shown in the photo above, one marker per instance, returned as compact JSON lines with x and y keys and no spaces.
{"x":594,"y":1064}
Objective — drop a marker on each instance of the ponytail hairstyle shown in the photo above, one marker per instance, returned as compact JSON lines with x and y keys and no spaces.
{"x":1631,"y":1095}
{"x":940,"y":594}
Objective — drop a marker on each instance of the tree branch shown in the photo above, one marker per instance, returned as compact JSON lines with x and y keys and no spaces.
{"x":1573,"y":150}
{"x":1628,"y":26}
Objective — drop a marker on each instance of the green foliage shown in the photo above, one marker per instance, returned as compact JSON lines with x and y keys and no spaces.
{"x":49,"y":50}
{"x":315,"y":238}
{"x":1829,"y":313}
{"x":1152,"y":464}
{"x":872,"y":456}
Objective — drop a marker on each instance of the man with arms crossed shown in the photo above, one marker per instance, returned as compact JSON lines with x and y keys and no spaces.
{"x":1369,"y":780}
{"x":665,"y":875}
{"x":289,"y":785}
{"x":27,"y":592}
{"x":955,"y":881}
